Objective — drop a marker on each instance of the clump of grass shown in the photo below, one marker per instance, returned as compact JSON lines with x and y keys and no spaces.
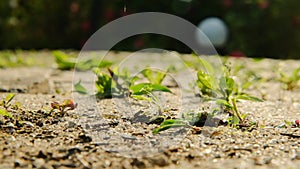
{"x":223,"y":90}
{"x":120,"y":83}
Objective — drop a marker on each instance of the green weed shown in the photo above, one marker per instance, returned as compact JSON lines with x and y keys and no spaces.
{"x":189,"y":120}
{"x":154,"y":77}
{"x":224,"y":91}
{"x":112,"y":83}
{"x":145,"y":91}
{"x":117,"y":83}
{"x":6,"y":103}
{"x":64,"y":107}
{"x":171,"y":123}
{"x":290,"y":82}
{"x":16,"y":59}
{"x":67,"y":62}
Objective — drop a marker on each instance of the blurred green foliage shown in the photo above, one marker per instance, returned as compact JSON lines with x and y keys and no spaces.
{"x":265,"y":28}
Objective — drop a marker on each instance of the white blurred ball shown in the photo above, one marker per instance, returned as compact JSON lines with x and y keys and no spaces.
{"x":215,"y":30}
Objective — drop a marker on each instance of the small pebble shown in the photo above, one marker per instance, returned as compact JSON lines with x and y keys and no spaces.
{"x":38,"y":163}
{"x":128,"y":137}
{"x":71,"y":124}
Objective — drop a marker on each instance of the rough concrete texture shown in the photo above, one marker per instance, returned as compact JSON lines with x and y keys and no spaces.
{"x":104,"y":135}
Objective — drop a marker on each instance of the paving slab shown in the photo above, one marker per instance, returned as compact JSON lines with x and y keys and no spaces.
{"x":25,"y":80}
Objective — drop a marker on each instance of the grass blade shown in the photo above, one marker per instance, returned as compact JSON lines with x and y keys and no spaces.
{"x":5,"y":113}
{"x":248,"y":97}
{"x":169,"y":124}
{"x":9,"y":97}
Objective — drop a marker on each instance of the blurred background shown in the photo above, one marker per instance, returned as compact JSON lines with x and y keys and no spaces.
{"x":256,"y":28}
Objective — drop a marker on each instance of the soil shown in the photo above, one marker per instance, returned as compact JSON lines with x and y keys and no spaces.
{"x":117,"y":133}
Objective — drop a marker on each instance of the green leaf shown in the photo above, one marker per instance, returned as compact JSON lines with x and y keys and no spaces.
{"x":288,"y":123}
{"x":64,"y":61}
{"x":248,"y":97}
{"x":257,"y":59}
{"x":295,"y":75}
{"x":148,"y":74}
{"x":133,"y":79}
{"x":9,"y":97}
{"x":139,"y":89}
{"x":159,"y":77}
{"x":5,"y":113}
{"x":169,"y":124}
{"x":207,"y":66}
{"x":160,"y":88}
{"x":230,"y":84}
{"x":79,"y":88}
{"x":227,"y":86}
{"x":93,"y":63}
{"x":145,"y":88}
{"x":243,"y":116}
{"x":207,"y":98}
{"x":235,"y":120}
{"x":246,"y":85}
{"x":223,"y":102}
{"x":162,"y":128}
{"x":141,"y":97}
{"x":205,"y":79}
{"x":172,"y":121}
{"x":104,"y":85}
{"x":155,"y":77}
{"x":104,"y":64}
